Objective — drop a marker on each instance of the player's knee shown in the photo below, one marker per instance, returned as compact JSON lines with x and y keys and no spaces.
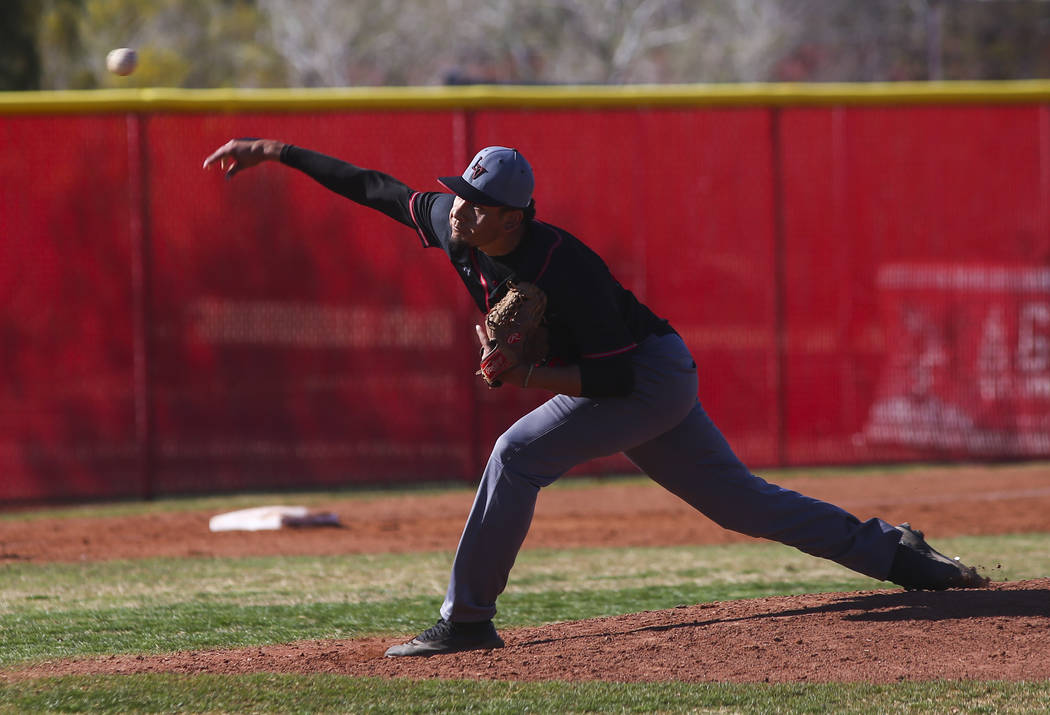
{"x":517,"y":462}
{"x":505,"y":448}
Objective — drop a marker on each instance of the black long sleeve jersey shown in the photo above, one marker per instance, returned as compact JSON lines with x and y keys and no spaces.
{"x":593,"y":321}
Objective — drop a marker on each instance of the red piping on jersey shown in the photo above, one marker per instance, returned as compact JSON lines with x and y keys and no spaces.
{"x":594,"y":356}
{"x":481,"y":277}
{"x":412,"y":212}
{"x":548,"y":261}
{"x":485,"y":283}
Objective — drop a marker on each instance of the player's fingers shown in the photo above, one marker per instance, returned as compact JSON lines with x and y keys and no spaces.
{"x":217,"y":155}
{"x":483,"y":336}
{"x":227,"y":151}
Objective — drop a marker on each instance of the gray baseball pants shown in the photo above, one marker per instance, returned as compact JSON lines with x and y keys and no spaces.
{"x":662,"y":428}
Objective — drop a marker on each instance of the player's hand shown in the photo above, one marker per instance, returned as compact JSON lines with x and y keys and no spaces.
{"x":237,"y":155}
{"x":483,"y":337}
{"x":487,"y":344}
{"x":514,"y":376}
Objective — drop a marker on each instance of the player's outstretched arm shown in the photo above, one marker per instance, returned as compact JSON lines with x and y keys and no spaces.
{"x":367,"y":187}
{"x":237,"y":155}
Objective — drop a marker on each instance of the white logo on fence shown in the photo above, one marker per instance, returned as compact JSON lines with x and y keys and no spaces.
{"x":310,"y":325}
{"x":969,"y":364}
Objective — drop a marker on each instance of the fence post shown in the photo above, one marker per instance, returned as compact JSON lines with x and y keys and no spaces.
{"x":141,"y":257}
{"x":462,"y":151}
{"x":779,"y":284}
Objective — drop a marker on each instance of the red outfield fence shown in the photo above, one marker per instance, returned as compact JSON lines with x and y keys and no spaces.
{"x":862,"y":273}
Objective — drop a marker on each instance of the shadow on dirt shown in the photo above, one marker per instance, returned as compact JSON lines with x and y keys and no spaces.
{"x":1016,"y":601}
{"x":947,"y":605}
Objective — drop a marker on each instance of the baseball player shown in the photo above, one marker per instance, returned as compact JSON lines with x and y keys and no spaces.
{"x":623,"y":381}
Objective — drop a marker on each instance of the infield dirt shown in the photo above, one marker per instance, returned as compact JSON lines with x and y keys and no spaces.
{"x":874,"y":636}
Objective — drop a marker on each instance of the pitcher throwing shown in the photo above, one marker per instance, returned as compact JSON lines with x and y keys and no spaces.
{"x":623,"y":381}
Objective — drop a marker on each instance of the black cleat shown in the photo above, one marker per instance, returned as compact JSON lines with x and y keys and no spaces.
{"x":449,"y":637}
{"x":919,"y":567}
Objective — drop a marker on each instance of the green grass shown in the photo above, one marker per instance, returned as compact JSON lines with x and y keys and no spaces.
{"x":267,"y":693}
{"x":159,"y":605}
{"x":375,"y":578}
{"x":380,"y":577}
{"x":153,"y":605}
{"x":201,"y":624}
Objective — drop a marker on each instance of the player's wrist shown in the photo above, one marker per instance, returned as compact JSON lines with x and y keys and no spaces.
{"x":519,"y":376}
{"x":514,"y":376}
{"x":271,"y":149}
{"x":260,"y":150}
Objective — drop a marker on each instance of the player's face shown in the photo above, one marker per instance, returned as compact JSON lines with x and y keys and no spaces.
{"x":475,"y":225}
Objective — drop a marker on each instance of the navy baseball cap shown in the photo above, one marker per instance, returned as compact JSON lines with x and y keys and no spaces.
{"x":497,"y":176}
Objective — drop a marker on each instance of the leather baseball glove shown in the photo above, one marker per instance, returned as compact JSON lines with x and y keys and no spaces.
{"x":516,"y":335}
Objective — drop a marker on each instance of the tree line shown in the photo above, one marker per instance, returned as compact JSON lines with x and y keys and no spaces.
{"x":62,"y":44}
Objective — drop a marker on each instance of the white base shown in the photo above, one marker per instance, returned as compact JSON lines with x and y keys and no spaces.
{"x":260,"y":518}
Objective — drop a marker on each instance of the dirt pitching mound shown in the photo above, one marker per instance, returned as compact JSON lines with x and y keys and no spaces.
{"x":871,"y":636}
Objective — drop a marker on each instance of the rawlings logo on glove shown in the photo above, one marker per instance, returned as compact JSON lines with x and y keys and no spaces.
{"x":514,"y":332}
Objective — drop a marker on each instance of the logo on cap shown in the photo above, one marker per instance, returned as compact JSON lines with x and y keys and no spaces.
{"x":496,"y":176}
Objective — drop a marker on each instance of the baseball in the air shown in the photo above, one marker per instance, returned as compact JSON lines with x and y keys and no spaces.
{"x":122,"y":61}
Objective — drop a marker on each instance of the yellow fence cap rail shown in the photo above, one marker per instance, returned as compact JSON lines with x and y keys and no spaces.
{"x":161,"y":99}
